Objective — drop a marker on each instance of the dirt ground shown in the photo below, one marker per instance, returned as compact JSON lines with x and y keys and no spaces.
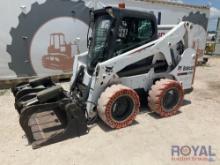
{"x":148,"y":141}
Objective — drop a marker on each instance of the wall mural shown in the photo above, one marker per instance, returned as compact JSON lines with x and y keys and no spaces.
{"x":43,"y":41}
{"x":197,"y":18}
{"x":48,"y":36}
{"x":59,"y":53}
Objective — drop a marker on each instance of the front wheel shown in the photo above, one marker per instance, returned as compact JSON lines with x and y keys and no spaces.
{"x":165,"y":97}
{"x":118,"y":106}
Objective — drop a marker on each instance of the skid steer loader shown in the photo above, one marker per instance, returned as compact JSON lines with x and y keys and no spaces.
{"x":125,"y":55}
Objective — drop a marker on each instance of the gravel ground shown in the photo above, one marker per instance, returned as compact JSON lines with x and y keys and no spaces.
{"x":148,"y":141}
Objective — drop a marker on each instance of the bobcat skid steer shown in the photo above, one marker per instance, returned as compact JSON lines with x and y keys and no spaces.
{"x":125,"y":55}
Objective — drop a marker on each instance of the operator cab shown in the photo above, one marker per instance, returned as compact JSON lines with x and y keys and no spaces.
{"x":116,"y":31}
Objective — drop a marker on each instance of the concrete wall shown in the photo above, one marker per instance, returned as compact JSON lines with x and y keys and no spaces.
{"x":27,"y":26}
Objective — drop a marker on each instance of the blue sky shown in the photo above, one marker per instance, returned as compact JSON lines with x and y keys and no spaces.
{"x":214,"y":10}
{"x":215,"y":3}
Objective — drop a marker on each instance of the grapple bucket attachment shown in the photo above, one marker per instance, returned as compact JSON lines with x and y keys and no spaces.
{"x":32,"y":86}
{"x":27,"y":91}
{"x":53,"y":93}
{"x":49,"y":123}
{"x":19,"y":103}
{"x":50,"y":116}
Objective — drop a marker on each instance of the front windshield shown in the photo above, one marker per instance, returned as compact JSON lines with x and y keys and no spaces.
{"x":99,"y":40}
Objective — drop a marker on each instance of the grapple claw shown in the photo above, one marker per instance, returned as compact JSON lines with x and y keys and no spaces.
{"x":49,"y":123}
{"x":32,"y":86}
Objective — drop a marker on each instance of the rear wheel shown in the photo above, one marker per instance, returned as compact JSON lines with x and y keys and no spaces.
{"x":165,"y":97}
{"x":118,"y":106}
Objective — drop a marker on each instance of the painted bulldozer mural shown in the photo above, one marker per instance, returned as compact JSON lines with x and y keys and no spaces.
{"x":59,"y":53}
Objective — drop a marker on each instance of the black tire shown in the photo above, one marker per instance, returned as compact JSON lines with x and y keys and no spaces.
{"x":29,"y":23}
{"x":165,"y":97}
{"x":118,"y":106}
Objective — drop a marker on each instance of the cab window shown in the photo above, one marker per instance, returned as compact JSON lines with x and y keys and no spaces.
{"x":132,"y":33}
